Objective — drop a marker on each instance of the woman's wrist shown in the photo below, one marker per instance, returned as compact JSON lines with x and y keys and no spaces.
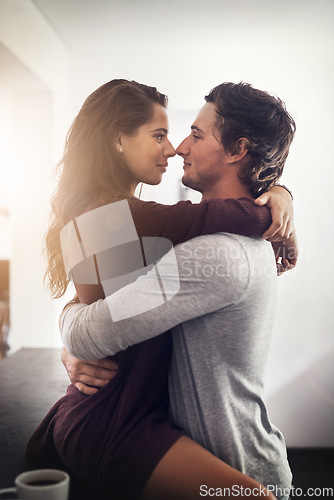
{"x":284,"y":187}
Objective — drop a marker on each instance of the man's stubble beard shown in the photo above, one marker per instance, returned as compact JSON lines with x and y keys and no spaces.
{"x":190,"y":183}
{"x":198,"y":184}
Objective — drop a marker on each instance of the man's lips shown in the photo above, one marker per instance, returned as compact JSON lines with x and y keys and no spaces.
{"x":186,"y":165}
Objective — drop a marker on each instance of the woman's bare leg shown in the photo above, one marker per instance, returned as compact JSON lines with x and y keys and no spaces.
{"x":187,"y":471}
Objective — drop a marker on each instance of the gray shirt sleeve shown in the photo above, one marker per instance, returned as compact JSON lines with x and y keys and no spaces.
{"x":209,"y":272}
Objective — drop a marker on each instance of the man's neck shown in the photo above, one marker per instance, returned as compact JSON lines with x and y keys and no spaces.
{"x":233,"y":189}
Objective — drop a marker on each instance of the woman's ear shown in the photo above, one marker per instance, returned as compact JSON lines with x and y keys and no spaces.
{"x":119,"y":143}
{"x":239,"y":151}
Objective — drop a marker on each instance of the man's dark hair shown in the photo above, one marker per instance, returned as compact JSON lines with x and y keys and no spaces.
{"x":261,"y":119}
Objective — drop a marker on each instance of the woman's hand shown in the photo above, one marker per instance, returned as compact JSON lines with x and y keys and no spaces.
{"x":281,"y":233}
{"x":88,"y":376}
{"x":280,"y":203}
{"x":286,"y":254}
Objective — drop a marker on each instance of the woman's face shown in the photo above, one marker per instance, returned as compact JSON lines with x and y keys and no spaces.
{"x":146,"y":153}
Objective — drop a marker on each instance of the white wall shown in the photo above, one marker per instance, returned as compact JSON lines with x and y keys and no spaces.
{"x":34,"y":92}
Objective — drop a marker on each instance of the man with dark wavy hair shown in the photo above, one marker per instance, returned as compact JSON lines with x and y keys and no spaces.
{"x":222,"y":316}
{"x":258,"y":122}
{"x":254,"y":122}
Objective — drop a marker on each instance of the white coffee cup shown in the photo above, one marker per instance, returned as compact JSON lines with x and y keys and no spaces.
{"x":44,"y":484}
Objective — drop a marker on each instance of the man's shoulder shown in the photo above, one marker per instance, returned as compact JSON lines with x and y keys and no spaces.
{"x":227,"y":240}
{"x":221,"y":250}
{"x":225,"y":248}
{"x":218,"y":262}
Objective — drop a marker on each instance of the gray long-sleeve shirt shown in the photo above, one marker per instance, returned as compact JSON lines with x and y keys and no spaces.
{"x":222,"y":319}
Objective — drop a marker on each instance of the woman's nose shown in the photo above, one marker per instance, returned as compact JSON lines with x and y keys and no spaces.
{"x":170,"y":150}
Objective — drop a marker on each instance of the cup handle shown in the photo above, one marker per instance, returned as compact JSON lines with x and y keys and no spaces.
{"x":8,"y":490}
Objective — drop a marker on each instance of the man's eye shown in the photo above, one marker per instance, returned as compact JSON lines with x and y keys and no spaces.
{"x":195,"y":136}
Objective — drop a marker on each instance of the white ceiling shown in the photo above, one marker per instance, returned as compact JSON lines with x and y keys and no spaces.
{"x":185,"y":47}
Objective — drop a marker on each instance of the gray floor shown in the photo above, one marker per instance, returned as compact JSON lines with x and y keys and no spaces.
{"x":313,"y":468}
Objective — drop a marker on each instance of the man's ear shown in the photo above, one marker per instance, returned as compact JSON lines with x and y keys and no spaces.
{"x":239,"y":151}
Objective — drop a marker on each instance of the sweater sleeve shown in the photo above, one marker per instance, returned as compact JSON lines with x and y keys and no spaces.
{"x":185,"y":220}
{"x":140,"y":311}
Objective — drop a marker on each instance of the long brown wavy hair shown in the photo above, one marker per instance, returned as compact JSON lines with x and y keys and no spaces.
{"x":92,"y":172}
{"x":262,"y":119}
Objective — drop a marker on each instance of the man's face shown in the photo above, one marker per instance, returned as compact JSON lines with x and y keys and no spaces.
{"x":204,"y":156}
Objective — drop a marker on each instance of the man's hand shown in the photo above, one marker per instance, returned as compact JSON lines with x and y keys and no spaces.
{"x":88,"y":376}
{"x":280,"y":203}
{"x":286,"y":254}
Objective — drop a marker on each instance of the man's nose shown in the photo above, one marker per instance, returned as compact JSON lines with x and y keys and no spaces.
{"x":182,"y":149}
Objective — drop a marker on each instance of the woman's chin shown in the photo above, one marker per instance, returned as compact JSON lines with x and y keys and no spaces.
{"x":153,"y":182}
